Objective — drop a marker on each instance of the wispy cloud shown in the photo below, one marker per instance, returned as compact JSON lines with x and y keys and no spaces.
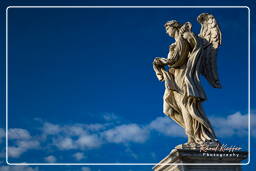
{"x":126,"y":133}
{"x":21,"y":147}
{"x":2,"y":135}
{"x":85,"y":169}
{"x":233,"y":125}
{"x":88,"y":141}
{"x":18,"y":168}
{"x":50,"y":159}
{"x":167,"y":127}
{"x":91,"y":136}
{"x":21,"y":141}
{"x":18,"y":133}
{"x":253,"y":125}
{"x":111,"y":117}
{"x":78,"y":136}
{"x":79,"y":156}
{"x":73,"y":136}
{"x":50,"y":129}
{"x":64,"y":143}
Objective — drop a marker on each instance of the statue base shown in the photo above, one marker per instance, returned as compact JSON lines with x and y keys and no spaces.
{"x":184,"y":158}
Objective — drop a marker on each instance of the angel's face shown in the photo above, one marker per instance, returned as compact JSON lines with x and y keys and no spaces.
{"x":171,"y":31}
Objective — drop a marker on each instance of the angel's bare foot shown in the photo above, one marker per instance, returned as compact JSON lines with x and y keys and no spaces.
{"x":190,"y":140}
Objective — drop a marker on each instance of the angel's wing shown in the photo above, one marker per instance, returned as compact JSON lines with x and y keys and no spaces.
{"x":211,"y":35}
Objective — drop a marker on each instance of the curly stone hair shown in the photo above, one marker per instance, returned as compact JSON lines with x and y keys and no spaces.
{"x":173,"y":23}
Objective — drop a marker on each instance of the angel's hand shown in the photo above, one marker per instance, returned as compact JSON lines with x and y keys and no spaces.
{"x":160,"y":61}
{"x":160,"y":76}
{"x":156,"y":61}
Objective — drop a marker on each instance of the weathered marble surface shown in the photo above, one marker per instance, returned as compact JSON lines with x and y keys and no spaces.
{"x":181,"y":156}
{"x":189,"y":57}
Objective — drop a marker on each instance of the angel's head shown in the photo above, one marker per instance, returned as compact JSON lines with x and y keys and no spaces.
{"x":172,"y":27}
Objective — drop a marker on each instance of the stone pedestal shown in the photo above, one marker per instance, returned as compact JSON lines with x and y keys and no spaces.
{"x":187,"y":158}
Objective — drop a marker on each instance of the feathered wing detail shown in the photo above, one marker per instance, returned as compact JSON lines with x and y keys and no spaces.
{"x":211,"y":39}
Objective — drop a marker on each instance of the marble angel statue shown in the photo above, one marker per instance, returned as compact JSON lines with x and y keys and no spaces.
{"x":189,"y":57}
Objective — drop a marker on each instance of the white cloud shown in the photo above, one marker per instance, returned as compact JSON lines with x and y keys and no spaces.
{"x":95,"y":127}
{"x":79,"y":156}
{"x":233,"y":125}
{"x":50,"y":159}
{"x":253,"y":125}
{"x":73,"y":136}
{"x":126,"y":133}
{"x":65,"y":143}
{"x":15,"y":151}
{"x":28,"y":144}
{"x":88,"y":141}
{"x":70,"y":130}
{"x":51,"y":129}
{"x":18,"y":133}
{"x":84,"y":141}
{"x":90,"y":136}
{"x":167,"y":127}
{"x":85,"y":169}
{"x":73,"y":130}
{"x":236,"y":120}
{"x":2,"y":134}
{"x":20,"y":141}
{"x":22,"y":146}
{"x":18,"y":168}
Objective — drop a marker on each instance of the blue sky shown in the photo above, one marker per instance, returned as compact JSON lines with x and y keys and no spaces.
{"x":82,"y":88}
